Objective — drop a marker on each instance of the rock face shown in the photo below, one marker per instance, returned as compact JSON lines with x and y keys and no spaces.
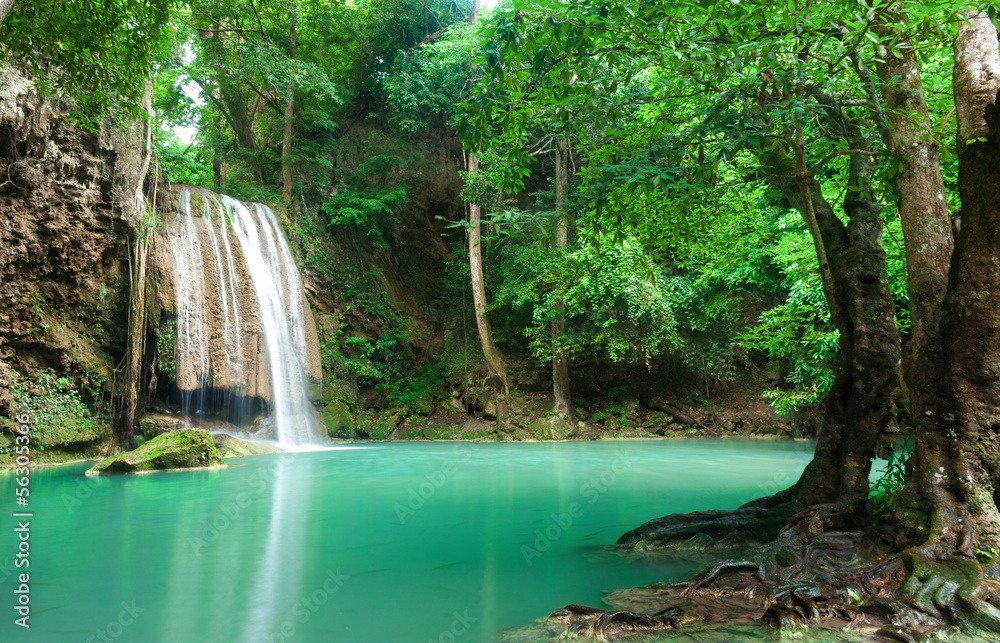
{"x":154,"y":424}
{"x":64,"y":225}
{"x":181,"y":449}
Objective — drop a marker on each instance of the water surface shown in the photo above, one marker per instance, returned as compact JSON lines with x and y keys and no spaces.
{"x":386,"y":543}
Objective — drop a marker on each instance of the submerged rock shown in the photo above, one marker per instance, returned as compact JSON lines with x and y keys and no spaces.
{"x":233,"y":447}
{"x":181,"y":449}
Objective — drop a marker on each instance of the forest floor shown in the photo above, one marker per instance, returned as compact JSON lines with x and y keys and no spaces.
{"x":738,"y":410}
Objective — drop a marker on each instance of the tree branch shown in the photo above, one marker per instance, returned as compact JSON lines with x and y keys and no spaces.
{"x":829,"y":157}
{"x":259,"y":21}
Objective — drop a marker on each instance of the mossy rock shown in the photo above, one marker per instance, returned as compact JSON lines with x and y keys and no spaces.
{"x":337,"y":390}
{"x":425,"y":405}
{"x":442,"y":431}
{"x":474,"y":429}
{"x":656,"y":420}
{"x":377,"y":425}
{"x":585,"y":431}
{"x":412,"y":428}
{"x":181,"y":449}
{"x":551,"y":428}
{"x":337,"y":420}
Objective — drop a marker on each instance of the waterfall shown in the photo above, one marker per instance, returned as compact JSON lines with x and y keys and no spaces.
{"x":243,"y":327}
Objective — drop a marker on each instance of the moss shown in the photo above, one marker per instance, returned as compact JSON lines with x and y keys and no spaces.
{"x":376,"y":425}
{"x":340,"y":391}
{"x":441,"y":432}
{"x":58,"y":415}
{"x":410,"y":433}
{"x":182,"y":449}
{"x":338,"y":421}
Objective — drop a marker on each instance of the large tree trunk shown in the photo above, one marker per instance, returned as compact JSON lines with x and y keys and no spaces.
{"x":956,"y":469}
{"x":958,"y":465}
{"x":238,"y":117}
{"x":560,"y":363}
{"x":976,"y":75}
{"x":860,"y":401}
{"x":286,"y":147}
{"x":949,"y":498}
{"x":494,"y":362}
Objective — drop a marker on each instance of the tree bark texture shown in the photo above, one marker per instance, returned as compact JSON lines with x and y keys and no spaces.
{"x":5,"y":7}
{"x":956,"y":466}
{"x":976,"y":76}
{"x":131,"y":376}
{"x":860,"y":402}
{"x":923,"y":209}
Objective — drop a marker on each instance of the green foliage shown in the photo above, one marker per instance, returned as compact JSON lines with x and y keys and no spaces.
{"x":429,"y":380}
{"x":372,"y":196}
{"x":376,"y":364}
{"x":886,"y":490}
{"x":181,"y":163}
{"x":374,"y":425}
{"x":96,"y":55}
{"x":617,"y":303}
{"x":165,"y":347}
{"x":797,"y":331}
{"x":55,"y":407}
{"x":425,"y":83}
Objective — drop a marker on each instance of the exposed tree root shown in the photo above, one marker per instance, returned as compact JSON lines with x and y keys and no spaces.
{"x":809,"y":576}
{"x":743,"y":527}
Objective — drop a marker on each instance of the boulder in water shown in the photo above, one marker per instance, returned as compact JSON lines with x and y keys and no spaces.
{"x":180,"y":449}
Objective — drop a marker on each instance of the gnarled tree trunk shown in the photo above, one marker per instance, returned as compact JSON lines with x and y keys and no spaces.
{"x":129,"y":386}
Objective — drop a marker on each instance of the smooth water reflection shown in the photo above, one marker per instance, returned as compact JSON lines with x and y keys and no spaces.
{"x":384,"y":543}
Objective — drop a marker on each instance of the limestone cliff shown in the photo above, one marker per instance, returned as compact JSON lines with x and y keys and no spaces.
{"x":65,"y":220}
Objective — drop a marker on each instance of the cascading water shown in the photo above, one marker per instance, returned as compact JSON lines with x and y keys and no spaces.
{"x":243,"y":328}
